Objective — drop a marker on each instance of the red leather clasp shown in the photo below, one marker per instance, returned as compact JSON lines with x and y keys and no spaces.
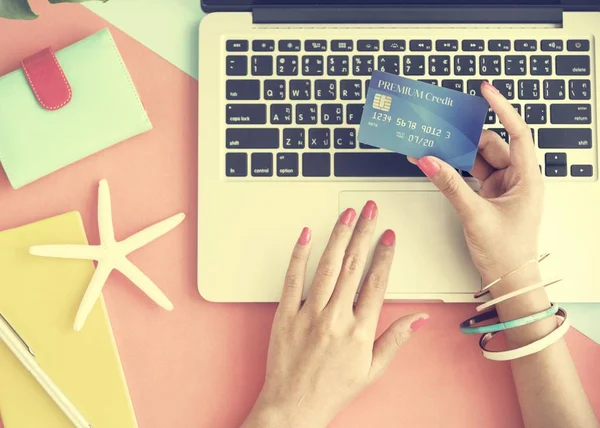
{"x":47,"y":79}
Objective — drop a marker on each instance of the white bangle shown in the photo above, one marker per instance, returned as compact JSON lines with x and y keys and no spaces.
{"x":515,"y":293}
{"x":530,"y":349}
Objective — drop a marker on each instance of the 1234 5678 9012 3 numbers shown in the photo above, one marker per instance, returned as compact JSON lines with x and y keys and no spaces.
{"x":411,"y":125}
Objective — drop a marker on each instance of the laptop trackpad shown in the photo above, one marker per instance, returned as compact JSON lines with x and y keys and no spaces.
{"x":431,"y":253}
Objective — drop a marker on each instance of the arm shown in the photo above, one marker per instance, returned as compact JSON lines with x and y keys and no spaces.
{"x":501,"y":226}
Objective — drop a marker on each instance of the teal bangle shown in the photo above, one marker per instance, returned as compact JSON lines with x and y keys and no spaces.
{"x":468,"y":326}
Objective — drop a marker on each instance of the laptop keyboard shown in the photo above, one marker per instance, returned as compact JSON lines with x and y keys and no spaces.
{"x":293,"y":106}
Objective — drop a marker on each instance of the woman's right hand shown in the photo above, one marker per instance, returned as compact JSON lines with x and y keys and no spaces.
{"x":502,"y":222}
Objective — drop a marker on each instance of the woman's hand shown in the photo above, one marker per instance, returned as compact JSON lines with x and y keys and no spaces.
{"x":502,"y":222}
{"x":323,"y":352}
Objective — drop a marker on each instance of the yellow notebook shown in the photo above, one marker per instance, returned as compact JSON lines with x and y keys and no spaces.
{"x":40,"y":296}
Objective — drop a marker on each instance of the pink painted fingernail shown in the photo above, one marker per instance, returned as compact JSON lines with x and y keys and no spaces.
{"x":419,"y":323}
{"x":348,"y":217}
{"x":369,"y":211}
{"x":491,"y":87}
{"x":388,"y":238}
{"x":305,"y":236}
{"x":429,"y":167}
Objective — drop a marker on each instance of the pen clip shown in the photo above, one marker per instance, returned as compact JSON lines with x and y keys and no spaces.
{"x":18,"y":335}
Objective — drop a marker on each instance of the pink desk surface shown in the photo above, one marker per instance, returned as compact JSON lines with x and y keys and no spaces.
{"x":202,"y":365}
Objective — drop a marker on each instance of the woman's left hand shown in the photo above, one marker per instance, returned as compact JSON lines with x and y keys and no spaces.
{"x":324,"y":352}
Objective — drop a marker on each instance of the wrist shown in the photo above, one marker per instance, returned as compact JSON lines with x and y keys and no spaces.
{"x":279,"y":415}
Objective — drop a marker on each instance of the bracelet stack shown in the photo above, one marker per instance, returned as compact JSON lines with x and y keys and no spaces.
{"x":489,"y":331}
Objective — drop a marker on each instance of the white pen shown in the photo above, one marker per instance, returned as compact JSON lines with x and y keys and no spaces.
{"x":27,"y":357}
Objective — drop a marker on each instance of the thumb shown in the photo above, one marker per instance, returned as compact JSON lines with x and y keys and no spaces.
{"x":451,"y":184}
{"x":387,"y":345}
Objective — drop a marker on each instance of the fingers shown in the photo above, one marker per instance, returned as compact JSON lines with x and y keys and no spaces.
{"x":464,"y":200}
{"x":387,"y":345}
{"x":373,"y":290}
{"x":481,"y":169}
{"x":355,"y":258}
{"x":522,"y":152}
{"x":494,"y":150}
{"x":330,"y":264}
{"x":293,"y":285}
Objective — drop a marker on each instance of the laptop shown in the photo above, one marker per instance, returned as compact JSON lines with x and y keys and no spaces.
{"x":281,"y":91}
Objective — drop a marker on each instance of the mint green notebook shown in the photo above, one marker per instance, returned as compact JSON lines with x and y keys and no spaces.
{"x":104,"y":109}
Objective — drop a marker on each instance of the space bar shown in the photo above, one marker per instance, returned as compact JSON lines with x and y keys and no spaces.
{"x":374,"y":165}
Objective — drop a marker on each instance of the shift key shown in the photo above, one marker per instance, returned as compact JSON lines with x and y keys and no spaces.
{"x":246,"y":114}
{"x":252,"y":138}
{"x":565,"y":138}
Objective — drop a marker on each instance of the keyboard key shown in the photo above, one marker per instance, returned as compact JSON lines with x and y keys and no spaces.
{"x":572,"y":65}
{"x":367,"y":83}
{"x":571,"y":114}
{"x":319,"y":138}
{"x":565,"y":138}
{"x":293,"y":138}
{"x":351,"y":89}
{"x":439,"y":65}
{"x":474,"y":87}
{"x":289,"y":45}
{"x":252,"y":138}
{"x":540,"y":65}
{"x":517,"y":107}
{"x":306,"y":114}
{"x":414,"y":65}
{"x":246,"y":114}
{"x":429,"y":81}
{"x":242,"y":89}
{"x":389,"y":64}
{"x":579,"y":89}
{"x":354,"y":113}
{"x":502,"y":133}
{"x":515,"y":65}
{"x":464,"y":65}
{"x":312,"y":65}
{"x":578,"y":45}
{"x":420,"y":45}
{"x":535,"y":114}
{"x":499,"y":45}
{"x":529,"y":89}
{"x":287,"y":65}
{"x":342,"y":45}
{"x":262,"y":164}
{"x":315,"y":45}
{"x":236,"y":65}
{"x":274,"y":90}
{"x":367,"y":146}
{"x":490,"y":118}
{"x":263,"y":45}
{"x":363,"y":65}
{"x":344,"y":138}
{"x":262,"y":65}
{"x":552,"y":45}
{"x":300,"y":90}
{"x":582,"y":170}
{"x":287,"y":165}
{"x":236,"y":164}
{"x":490,"y":65}
{"x":525,"y":45}
{"x":556,"y":158}
{"x":556,"y":170}
{"x":456,"y":85}
{"x":338,"y":65}
{"x":367,"y":45}
{"x":373,"y":164}
{"x":332,"y":114}
{"x":554,"y":89}
{"x":394,"y":45}
{"x":473,"y":45}
{"x":446,"y":45}
{"x":325,"y":90}
{"x":237,"y":45}
{"x":506,"y":88}
{"x":316,"y":165}
{"x":281,"y":114}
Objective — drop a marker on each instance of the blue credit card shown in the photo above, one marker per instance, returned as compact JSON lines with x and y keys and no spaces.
{"x":419,"y":119}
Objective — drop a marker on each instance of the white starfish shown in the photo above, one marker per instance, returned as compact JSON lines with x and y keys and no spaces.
{"x":110,"y":255}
